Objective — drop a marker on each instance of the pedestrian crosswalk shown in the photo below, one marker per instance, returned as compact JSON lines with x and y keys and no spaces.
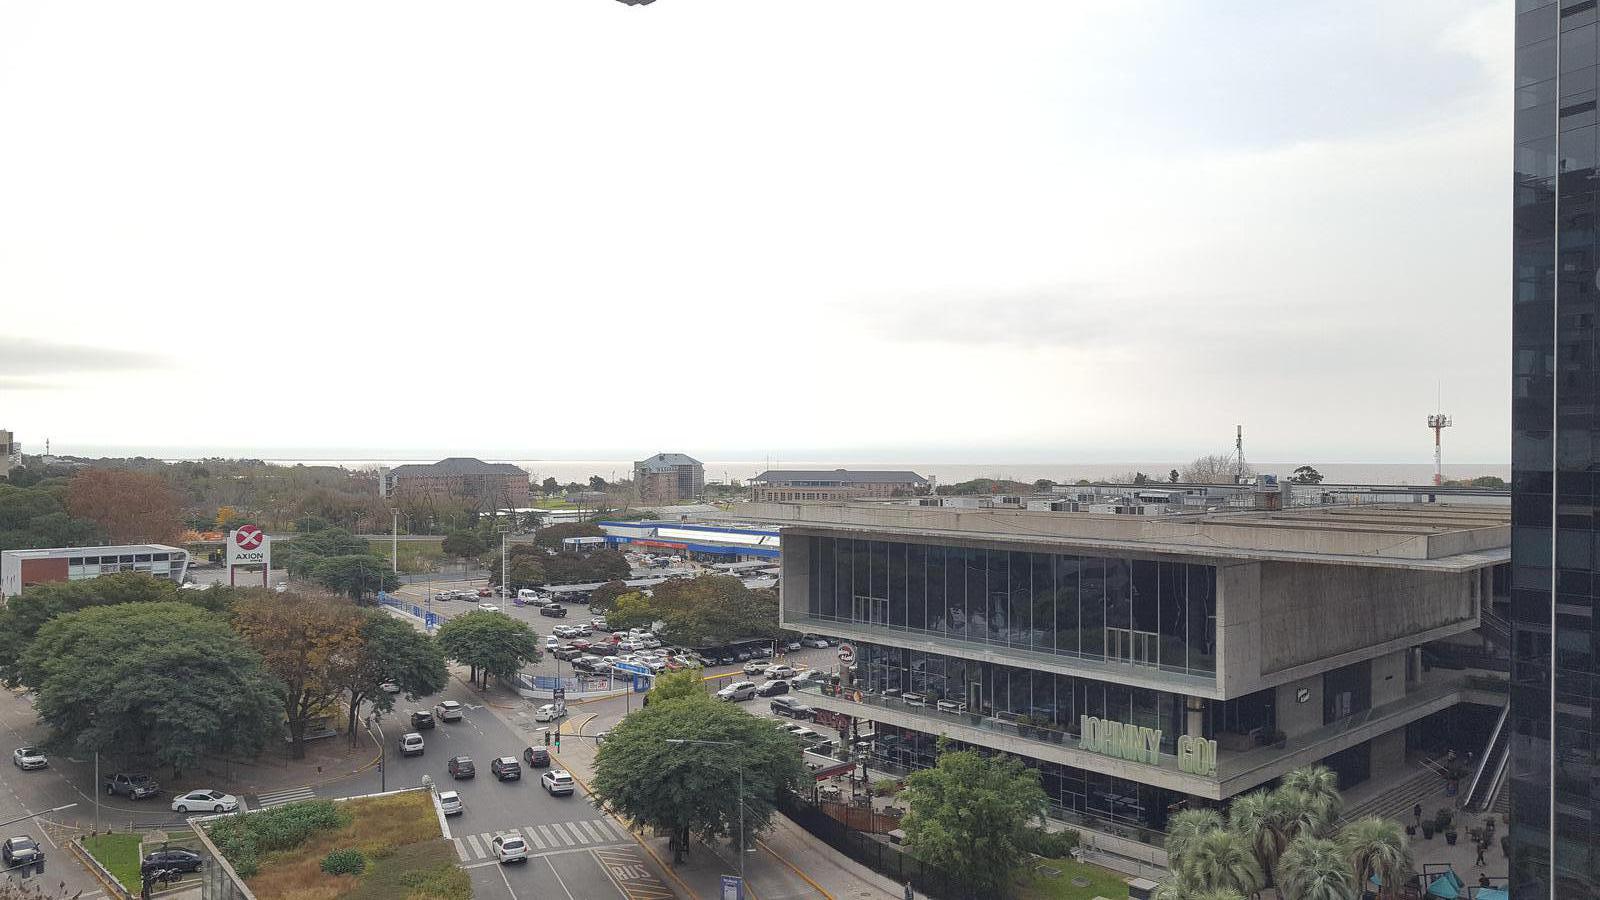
{"x":545,"y":838}
{"x":278,"y":798}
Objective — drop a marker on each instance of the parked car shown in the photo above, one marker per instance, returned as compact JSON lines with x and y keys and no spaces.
{"x":791,"y":707}
{"x":450,"y":803}
{"x":509,"y":848}
{"x":761,"y":651}
{"x":792,"y":645}
{"x":812,"y":640}
{"x":506,"y":768}
{"x":549,"y":713}
{"x":202,"y":800}
{"x":536,"y":758}
{"x":134,"y":786}
{"x":739,"y":690}
{"x":389,"y":687}
{"x":448,"y":711}
{"x":488,"y":607}
{"x":781,"y":671}
{"x":443,"y":596}
{"x":741,"y":654}
{"x":557,"y":782}
{"x":421,"y":719}
{"x":171,"y":859}
{"x":485,"y":592}
{"x":755,"y":667}
{"x":554,"y":612}
{"x":566,"y":652}
{"x":411,"y":744}
{"x":21,"y":852}
{"x":29,"y":758}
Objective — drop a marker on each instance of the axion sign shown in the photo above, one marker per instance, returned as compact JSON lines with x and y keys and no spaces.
{"x":249,"y":546}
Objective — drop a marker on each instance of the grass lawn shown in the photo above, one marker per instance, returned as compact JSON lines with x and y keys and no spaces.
{"x":407,"y":859}
{"x":119,"y":853}
{"x":1102,"y":882}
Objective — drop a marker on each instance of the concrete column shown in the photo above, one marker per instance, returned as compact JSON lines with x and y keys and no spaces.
{"x":1195,"y":716}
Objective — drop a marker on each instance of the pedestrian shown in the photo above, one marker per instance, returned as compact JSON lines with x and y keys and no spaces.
{"x":1416,"y":811}
{"x":1481,"y":847}
{"x":910,"y":895}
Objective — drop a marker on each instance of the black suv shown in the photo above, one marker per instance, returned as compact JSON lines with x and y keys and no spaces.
{"x":506,"y":768}
{"x":462,"y":767}
{"x":421,"y":719}
{"x":175,"y":860}
{"x":553,"y":611}
{"x":772,"y":689}
{"x":792,"y":707}
{"x":537,"y":757}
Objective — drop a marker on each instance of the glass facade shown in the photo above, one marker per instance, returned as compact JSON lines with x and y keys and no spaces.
{"x":1555,"y":784}
{"x":1136,"y":611}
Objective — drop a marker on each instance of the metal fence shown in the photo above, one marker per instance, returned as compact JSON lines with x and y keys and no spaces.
{"x":879,"y":855}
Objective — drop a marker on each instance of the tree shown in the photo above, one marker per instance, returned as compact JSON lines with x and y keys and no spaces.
{"x":302,"y":554}
{"x":631,"y":610}
{"x":392,"y":651}
{"x":1043,"y":485}
{"x":1377,"y":847}
{"x":551,"y":536}
{"x":464,"y":544}
{"x":34,"y":517}
{"x":1173,"y":476}
{"x":311,"y":643}
{"x":1185,"y":827}
{"x":713,"y":609}
{"x":605,"y":595}
{"x":1222,"y":859}
{"x":130,"y":507}
{"x":1212,"y":469}
{"x":596,"y":483}
{"x":1314,"y":869}
{"x":1254,"y":817}
{"x":167,"y":680}
{"x":689,"y":789}
{"x":526,"y":568}
{"x":356,"y":575}
{"x":549,"y":486}
{"x":675,"y":685}
{"x":1321,"y":785}
{"x":1305,"y":475}
{"x":491,"y":643}
{"x":567,"y":567}
{"x":968,"y":815}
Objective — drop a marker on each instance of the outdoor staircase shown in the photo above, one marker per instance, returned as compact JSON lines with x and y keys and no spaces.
{"x":1396,"y":804}
{"x":1491,"y":771}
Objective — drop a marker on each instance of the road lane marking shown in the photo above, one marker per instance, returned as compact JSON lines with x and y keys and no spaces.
{"x":572,"y":827}
{"x":477,"y":848}
{"x":461,"y":849}
{"x":545,"y":830}
{"x":533,"y":836}
{"x":558,"y":880}
{"x":631,"y":876}
{"x":593,"y":833}
{"x":507,"y":881}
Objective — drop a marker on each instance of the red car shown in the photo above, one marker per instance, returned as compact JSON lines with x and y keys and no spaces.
{"x":579,"y":643}
{"x":485,"y":592}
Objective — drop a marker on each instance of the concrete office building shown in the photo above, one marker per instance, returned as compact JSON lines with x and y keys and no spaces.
{"x":669,"y":476}
{"x":20,"y":568}
{"x":834,"y":484}
{"x":1555,"y":519}
{"x":1145,"y":663}
{"x":10,"y":452}
{"x":486,"y":486}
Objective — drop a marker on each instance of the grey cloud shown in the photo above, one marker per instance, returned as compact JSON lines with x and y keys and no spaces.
{"x":25,"y":356}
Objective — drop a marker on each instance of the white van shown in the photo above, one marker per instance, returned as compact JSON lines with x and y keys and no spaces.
{"x":411,"y":744}
{"x":527,"y":594}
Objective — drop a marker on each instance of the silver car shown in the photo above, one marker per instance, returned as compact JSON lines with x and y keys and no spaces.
{"x":739,"y":690}
{"x":29,"y":758}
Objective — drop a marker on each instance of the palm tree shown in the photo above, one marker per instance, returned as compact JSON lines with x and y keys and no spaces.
{"x":1314,"y":869}
{"x":1250,"y":817}
{"x":1319,"y":782}
{"x":1176,"y":886}
{"x":1216,"y":894}
{"x":1374,"y":846}
{"x":1297,"y":812}
{"x":1186,"y":826}
{"x":1222,"y":859}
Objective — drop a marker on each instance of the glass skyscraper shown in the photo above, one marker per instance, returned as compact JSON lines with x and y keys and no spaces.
{"x":1555,"y":794}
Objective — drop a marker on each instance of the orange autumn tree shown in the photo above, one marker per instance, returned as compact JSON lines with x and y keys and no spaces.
{"x":311,"y":642}
{"x":130,"y":507}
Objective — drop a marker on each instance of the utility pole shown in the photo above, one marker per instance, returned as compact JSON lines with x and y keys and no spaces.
{"x":505,"y":561}
{"x":394,"y":547}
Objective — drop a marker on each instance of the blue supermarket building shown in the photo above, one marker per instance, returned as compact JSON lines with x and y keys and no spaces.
{"x":706,"y":543}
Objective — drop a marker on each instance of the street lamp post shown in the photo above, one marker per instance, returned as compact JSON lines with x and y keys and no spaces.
{"x":504,"y":565}
{"x":741,"y":796}
{"x":383,"y":753}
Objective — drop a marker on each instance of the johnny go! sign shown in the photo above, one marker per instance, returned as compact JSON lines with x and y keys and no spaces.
{"x":1135,"y":743}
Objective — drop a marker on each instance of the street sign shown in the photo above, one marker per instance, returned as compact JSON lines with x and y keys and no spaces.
{"x":248,"y":545}
{"x":732,"y":887}
{"x":430,"y":619}
{"x":559,"y":693}
{"x":632,"y":668}
{"x":847,"y":653}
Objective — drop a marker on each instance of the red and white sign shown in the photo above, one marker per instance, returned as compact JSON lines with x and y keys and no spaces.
{"x":248,"y":537}
{"x":847,"y":654}
{"x":249,"y":546}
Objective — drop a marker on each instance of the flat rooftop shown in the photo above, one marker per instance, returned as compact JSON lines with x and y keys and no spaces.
{"x":109,"y":550}
{"x":1432,"y":536}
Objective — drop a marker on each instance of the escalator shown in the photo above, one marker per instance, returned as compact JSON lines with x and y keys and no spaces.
{"x":1491,"y":767}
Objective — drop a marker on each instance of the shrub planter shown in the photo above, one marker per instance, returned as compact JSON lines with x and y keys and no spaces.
{"x":1450,"y":837}
{"x":1427,"y":831}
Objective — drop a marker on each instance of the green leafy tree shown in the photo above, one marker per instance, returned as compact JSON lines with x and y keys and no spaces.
{"x":1173,"y":476}
{"x":1222,"y":860}
{"x":464,"y":544}
{"x":969,"y":814}
{"x":392,"y":651}
{"x":36,"y":516}
{"x":302,"y":554}
{"x":491,"y":643}
{"x":549,"y":487}
{"x":1262,"y":823}
{"x":690,"y":789}
{"x":164,"y":680}
{"x":310,"y":643}
{"x":677,"y":685}
{"x":1377,"y":847}
{"x":525,"y":569}
{"x":632,"y":610}
{"x":550,"y":537}
{"x":1314,"y":869}
{"x":715,"y":609}
{"x":1305,"y":475}
{"x":605,"y":595}
{"x":1185,"y":827}
{"x":357,"y":576}
{"x":1043,"y":485}
{"x":1320,"y":784}
{"x":567,"y":567}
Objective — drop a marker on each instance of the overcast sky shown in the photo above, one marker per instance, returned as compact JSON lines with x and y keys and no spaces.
{"x":899,"y":229}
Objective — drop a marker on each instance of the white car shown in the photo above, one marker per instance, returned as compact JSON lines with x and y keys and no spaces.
{"x":29,"y":758}
{"x":739,"y":690}
{"x":509,"y":848}
{"x":552,"y":642}
{"x":549,"y":713}
{"x":450,"y":802}
{"x":206,"y":801}
{"x":488,"y":607}
{"x":812,"y":640}
{"x":557,"y":781}
{"x":448,"y":711}
{"x":390,"y":687}
{"x":777,"y":672}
